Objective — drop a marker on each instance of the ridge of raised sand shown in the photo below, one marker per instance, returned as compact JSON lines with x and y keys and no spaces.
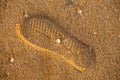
{"x":49,"y":52}
{"x":43,"y":31}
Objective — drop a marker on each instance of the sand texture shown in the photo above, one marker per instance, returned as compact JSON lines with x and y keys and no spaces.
{"x":59,"y":39}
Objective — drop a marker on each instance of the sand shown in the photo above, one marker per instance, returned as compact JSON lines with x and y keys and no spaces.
{"x":59,"y":39}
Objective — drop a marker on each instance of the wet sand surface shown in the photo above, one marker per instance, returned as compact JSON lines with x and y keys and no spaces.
{"x":59,"y":39}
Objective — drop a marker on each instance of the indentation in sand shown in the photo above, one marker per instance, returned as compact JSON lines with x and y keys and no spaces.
{"x":41,"y":33}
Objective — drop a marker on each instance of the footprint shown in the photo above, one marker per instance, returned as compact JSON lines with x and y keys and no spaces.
{"x":42,"y":33}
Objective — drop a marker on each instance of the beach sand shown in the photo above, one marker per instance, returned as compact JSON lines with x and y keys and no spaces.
{"x":59,"y":39}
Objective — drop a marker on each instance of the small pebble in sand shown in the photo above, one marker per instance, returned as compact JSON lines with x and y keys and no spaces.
{"x":26,"y":14}
{"x":71,"y":1}
{"x":79,"y":11}
{"x":118,"y":36}
{"x":12,"y":60}
{"x":90,"y":48}
{"x":57,"y":41}
{"x":94,"y":33}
